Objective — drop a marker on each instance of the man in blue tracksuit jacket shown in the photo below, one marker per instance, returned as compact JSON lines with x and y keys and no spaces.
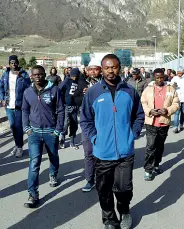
{"x":112,"y":117}
{"x":13,"y":83}
{"x":43,"y":120}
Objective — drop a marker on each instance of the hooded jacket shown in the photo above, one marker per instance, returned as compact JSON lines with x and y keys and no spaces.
{"x":43,"y":113}
{"x":22,"y":83}
{"x":171,"y":103}
{"x":111,"y":126}
{"x":68,"y":88}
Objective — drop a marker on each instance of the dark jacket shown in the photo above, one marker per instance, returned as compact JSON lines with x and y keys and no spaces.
{"x":139,"y":85}
{"x":68,"y":88}
{"x":125,"y":78}
{"x":56,"y":80}
{"x":111,"y":126}
{"x":22,"y":83}
{"x":43,"y":113}
{"x":78,"y":95}
{"x":147,"y":75}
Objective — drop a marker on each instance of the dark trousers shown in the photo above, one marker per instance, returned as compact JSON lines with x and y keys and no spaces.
{"x":71,"y":121}
{"x":156,"y":137}
{"x":89,"y":161}
{"x":114,"y":177}
{"x":15,"y":120}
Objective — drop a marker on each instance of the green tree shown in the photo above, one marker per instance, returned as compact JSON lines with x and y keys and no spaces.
{"x":22,"y":62}
{"x":32,"y":61}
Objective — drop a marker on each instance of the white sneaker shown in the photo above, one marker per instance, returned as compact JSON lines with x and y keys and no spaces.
{"x":19,"y":152}
{"x":13,"y":152}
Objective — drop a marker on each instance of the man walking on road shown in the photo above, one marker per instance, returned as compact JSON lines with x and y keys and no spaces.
{"x":137,"y":81}
{"x":159,"y":102}
{"x":178,"y":83}
{"x":112,"y":117}
{"x":144,"y":74}
{"x":12,"y":86}
{"x":53,"y":77}
{"x":94,"y":76}
{"x":43,"y":119}
{"x":68,"y":88}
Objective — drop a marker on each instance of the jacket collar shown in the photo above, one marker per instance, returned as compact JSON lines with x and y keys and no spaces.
{"x":121,"y":84}
{"x":152,"y":84}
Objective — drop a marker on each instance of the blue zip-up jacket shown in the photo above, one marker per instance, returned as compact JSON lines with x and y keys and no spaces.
{"x":111,"y":126}
{"x":43,"y":113}
{"x":22,"y":83}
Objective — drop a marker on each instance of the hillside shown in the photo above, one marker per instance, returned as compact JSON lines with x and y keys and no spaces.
{"x":102,"y":19}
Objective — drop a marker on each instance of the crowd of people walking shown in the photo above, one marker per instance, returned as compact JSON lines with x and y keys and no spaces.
{"x":113,"y":106}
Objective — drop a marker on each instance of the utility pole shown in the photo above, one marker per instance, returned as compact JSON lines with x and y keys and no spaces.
{"x":155,"y":37}
{"x":179,"y":30}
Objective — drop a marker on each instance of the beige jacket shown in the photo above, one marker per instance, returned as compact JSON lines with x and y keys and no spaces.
{"x":171,"y":103}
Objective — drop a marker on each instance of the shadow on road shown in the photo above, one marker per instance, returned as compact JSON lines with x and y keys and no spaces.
{"x":58,"y":212}
{"x":4,"y":156}
{"x":64,"y":209}
{"x":65,"y":169}
{"x":170,"y":148}
{"x":164,"y":196}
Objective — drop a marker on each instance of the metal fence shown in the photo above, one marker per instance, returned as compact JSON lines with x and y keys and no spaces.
{"x":174,"y":64}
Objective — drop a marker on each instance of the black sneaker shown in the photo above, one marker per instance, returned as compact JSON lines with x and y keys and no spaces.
{"x":88,"y":187}
{"x":53,"y":181}
{"x":181,"y":128}
{"x":149,"y":176}
{"x":62,"y":144}
{"x":126,"y":222}
{"x":157,"y":171}
{"x":32,"y":202}
{"x":176,"y":131}
{"x":73,"y":146}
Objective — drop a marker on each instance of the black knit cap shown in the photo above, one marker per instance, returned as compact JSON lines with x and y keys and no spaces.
{"x":13,"y":57}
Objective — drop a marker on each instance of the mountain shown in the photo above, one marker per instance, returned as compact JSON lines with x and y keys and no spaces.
{"x":102,"y":19}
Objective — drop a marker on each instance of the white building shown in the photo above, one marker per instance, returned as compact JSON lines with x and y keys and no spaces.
{"x":40,"y":61}
{"x":61,"y":63}
{"x":149,"y":62}
{"x":74,"y":61}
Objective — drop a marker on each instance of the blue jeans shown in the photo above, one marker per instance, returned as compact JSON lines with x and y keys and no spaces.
{"x":15,"y":120}
{"x":179,"y":113}
{"x":36,"y":142}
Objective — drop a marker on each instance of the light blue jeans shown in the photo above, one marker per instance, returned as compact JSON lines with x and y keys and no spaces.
{"x":179,"y":116}
{"x":15,"y":120}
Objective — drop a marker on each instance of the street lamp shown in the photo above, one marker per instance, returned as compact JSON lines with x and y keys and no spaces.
{"x":179,"y":30}
{"x":155,"y":37}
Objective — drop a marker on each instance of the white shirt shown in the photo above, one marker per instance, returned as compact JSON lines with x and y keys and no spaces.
{"x":180,"y":87}
{"x":12,"y":86}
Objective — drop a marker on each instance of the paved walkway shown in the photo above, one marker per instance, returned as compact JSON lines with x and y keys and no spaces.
{"x":157,"y":204}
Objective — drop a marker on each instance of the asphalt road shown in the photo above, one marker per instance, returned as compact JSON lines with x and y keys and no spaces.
{"x":157,"y":204}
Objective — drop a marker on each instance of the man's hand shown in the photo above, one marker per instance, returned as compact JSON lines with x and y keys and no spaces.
{"x":29,"y":132}
{"x":163,"y":111}
{"x":155,"y":113}
{"x":53,"y":134}
{"x":4,"y":103}
{"x":84,"y":91}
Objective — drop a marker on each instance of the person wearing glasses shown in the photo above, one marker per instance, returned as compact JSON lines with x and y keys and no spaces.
{"x":159,"y":101}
